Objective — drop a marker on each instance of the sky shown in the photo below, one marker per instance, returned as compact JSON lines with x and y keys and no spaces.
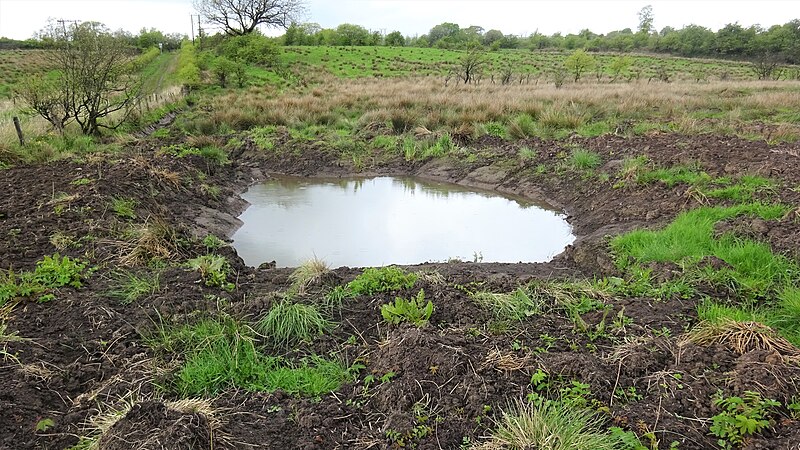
{"x":20,"y":19}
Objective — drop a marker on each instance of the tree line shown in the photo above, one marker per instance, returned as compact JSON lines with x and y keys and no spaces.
{"x":779,"y":43}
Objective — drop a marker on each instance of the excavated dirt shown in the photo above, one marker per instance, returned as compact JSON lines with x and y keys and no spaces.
{"x":82,"y":353}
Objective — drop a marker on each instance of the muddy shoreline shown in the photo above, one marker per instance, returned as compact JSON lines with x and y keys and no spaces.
{"x":83,"y":351}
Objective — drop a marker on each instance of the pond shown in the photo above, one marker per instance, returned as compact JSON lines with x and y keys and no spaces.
{"x":366,"y":222}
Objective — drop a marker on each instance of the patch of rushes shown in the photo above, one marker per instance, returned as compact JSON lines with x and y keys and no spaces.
{"x":221,"y":353}
{"x":762,"y":284}
{"x":288,"y":323}
{"x":513,"y":111}
{"x":128,"y":287}
{"x":584,"y":160}
{"x":515,"y":305}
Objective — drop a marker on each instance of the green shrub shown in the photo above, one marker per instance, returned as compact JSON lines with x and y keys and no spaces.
{"x":385,"y":279}
{"x":411,"y":311}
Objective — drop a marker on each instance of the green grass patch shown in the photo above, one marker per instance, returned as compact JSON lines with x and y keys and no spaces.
{"x":686,"y":174}
{"x":585,"y":160}
{"x":688,"y":239}
{"x":222,"y":353}
{"x":127,"y":287}
{"x":762,"y":285}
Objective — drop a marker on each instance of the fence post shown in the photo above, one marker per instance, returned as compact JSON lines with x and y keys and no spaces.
{"x":19,"y":131}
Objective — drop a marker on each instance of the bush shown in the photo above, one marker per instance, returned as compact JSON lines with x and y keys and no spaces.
{"x":251,"y":48}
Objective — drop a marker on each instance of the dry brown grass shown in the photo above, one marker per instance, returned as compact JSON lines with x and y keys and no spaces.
{"x":505,"y":361}
{"x":153,"y":240}
{"x":427,"y":102}
{"x":741,"y":337}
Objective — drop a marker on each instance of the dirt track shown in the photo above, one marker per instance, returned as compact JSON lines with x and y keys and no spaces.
{"x":84,"y":348}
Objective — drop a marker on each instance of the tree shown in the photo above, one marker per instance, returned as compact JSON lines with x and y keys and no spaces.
{"x":355,"y":35}
{"x":470,"y":65}
{"x":646,"y":20}
{"x":578,"y":63}
{"x":443,"y":31}
{"x":395,"y":39}
{"x":619,"y":65}
{"x":237,"y":17}
{"x":95,"y":76}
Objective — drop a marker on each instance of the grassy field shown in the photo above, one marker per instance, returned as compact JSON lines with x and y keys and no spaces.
{"x":126,"y":318}
{"x":399,"y":61}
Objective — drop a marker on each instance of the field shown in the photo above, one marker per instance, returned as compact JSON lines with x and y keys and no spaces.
{"x":127,"y":320}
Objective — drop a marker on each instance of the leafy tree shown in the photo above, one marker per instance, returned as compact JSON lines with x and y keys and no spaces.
{"x":492,"y":36}
{"x":395,"y":39}
{"x":442,"y":31}
{"x":733,"y":39}
{"x":237,"y":17}
{"x":578,"y":63}
{"x":619,"y":65}
{"x":349,"y":34}
{"x":251,"y":48}
{"x":95,"y":77}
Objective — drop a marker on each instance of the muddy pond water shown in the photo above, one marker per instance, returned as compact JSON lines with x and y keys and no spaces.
{"x":381,"y":221}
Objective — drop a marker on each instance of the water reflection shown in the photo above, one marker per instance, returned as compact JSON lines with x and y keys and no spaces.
{"x":380,"y":221}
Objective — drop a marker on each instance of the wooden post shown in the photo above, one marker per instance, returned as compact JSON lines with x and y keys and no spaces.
{"x":19,"y":131}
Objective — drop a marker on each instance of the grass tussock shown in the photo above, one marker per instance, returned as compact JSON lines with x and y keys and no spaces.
{"x":288,"y":323}
{"x":742,"y":337}
{"x":309,"y":273}
{"x":551,"y":426}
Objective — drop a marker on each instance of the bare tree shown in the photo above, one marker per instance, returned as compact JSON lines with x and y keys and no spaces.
{"x":96,"y":82}
{"x":46,"y":98}
{"x":471,"y":64}
{"x":767,"y":67}
{"x":238,"y":17}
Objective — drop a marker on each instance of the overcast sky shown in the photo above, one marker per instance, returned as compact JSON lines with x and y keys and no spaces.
{"x":20,"y":19}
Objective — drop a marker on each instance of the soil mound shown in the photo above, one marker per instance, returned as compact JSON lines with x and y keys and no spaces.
{"x":151,"y":425}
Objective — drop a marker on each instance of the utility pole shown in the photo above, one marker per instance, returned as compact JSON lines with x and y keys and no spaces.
{"x":191,"y":16}
{"x":63,"y":23}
